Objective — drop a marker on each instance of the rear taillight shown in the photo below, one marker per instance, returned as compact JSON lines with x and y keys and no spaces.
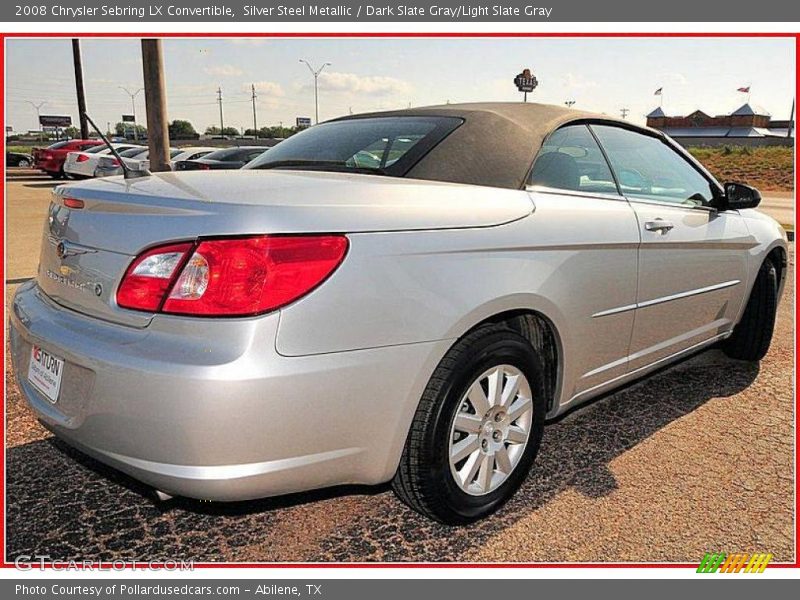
{"x":47,"y":156}
{"x":204,"y":167}
{"x":230,"y":277}
{"x":82,"y":158}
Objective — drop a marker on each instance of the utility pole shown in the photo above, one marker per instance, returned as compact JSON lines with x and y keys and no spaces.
{"x":155,"y":98}
{"x":255,"y":120}
{"x":624,"y":112}
{"x":38,"y":108}
{"x":133,"y":103}
{"x":315,"y":73}
{"x":221,"y":121}
{"x":76,"y":59}
{"x":791,"y":121}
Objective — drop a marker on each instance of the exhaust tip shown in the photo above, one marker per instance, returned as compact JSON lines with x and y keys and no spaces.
{"x":163,"y":496}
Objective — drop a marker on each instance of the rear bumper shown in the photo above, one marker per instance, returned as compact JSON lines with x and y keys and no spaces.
{"x":209,"y":409}
{"x":50,"y":166}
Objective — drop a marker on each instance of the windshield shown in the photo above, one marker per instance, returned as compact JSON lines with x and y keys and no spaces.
{"x":385,"y":145}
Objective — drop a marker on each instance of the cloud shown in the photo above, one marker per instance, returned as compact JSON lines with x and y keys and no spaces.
{"x":576,"y":82}
{"x":266,"y":88}
{"x":350,"y":83}
{"x":223,"y":70}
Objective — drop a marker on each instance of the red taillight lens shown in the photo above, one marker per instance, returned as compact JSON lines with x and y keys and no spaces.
{"x":148,"y":279}
{"x":82,"y":158}
{"x":204,"y":167}
{"x":47,"y":156}
{"x":230,"y":277}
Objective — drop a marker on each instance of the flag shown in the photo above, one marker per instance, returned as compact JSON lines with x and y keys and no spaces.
{"x":744,"y":90}
{"x":658,"y":91}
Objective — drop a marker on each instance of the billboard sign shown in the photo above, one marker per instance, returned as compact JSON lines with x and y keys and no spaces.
{"x":128,"y":119}
{"x":55,"y":120}
{"x":303,"y":122}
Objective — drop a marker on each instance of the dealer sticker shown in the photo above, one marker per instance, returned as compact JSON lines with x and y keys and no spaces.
{"x":45,"y":372}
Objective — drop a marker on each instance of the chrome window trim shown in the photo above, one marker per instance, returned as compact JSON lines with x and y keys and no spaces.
{"x":654,"y":202}
{"x":542,"y":189}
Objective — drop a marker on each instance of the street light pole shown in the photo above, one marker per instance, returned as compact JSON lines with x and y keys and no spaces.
{"x":315,"y":73}
{"x":133,"y":107}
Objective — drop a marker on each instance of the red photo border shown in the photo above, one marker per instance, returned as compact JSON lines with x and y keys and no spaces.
{"x":107,"y":565}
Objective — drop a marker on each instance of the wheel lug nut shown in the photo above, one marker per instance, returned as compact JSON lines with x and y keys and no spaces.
{"x":499,"y":417}
{"x":497,"y":436}
{"x":484,"y":445}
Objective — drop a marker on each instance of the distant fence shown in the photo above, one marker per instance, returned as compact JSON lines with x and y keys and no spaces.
{"x":719,"y":142}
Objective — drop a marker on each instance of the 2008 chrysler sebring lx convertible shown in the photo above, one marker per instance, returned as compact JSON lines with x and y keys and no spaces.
{"x":403,"y":296}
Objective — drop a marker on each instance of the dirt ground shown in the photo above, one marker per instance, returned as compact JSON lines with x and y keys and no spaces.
{"x":697,"y":458}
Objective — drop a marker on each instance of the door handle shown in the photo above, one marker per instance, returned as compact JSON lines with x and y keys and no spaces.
{"x":659,"y":225}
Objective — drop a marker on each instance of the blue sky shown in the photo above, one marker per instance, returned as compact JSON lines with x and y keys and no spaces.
{"x":601,"y":75}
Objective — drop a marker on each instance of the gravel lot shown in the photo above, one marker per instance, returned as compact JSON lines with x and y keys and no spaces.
{"x":697,"y":458}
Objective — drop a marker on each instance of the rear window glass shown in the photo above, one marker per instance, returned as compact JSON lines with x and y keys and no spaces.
{"x":227,"y":153}
{"x":385,"y":145}
{"x":58,"y":145}
{"x":130,"y":152}
{"x":96,"y":149}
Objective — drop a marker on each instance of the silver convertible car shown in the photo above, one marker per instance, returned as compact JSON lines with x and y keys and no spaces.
{"x":402,"y":296}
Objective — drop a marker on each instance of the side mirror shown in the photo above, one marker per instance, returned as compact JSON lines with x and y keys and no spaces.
{"x":739,"y":195}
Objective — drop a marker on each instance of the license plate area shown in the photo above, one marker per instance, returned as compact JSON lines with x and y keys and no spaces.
{"x":45,"y":372}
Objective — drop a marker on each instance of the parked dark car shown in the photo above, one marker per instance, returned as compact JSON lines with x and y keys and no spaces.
{"x":226,"y":158}
{"x":18,"y":159}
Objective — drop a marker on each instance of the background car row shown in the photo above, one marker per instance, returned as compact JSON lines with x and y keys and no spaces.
{"x":81,"y":159}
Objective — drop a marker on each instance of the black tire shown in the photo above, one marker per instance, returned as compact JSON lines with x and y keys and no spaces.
{"x":24,"y":163}
{"x":752,"y":335}
{"x":423,"y":479}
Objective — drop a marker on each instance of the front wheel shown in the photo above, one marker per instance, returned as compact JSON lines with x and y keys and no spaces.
{"x":752,"y":336}
{"x":477,"y":429}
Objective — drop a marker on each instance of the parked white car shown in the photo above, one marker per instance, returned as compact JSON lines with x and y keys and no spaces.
{"x":81,"y":165}
{"x":190,"y":153}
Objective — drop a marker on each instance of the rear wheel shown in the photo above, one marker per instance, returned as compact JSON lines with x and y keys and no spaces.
{"x":477,"y":429}
{"x":24,"y":163}
{"x":752,"y":336}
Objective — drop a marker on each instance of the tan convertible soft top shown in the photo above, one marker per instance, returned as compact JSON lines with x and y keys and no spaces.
{"x":495,"y":146}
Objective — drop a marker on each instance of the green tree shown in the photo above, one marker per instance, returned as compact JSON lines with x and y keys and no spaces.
{"x":125,"y":128}
{"x":229,"y":131}
{"x":72,"y":132}
{"x":179,"y":127}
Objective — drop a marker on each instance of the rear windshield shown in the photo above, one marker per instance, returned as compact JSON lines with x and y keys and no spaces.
{"x":58,"y":145}
{"x":228,"y":153}
{"x":95,"y":149}
{"x":384,"y":145}
{"x":131,"y":152}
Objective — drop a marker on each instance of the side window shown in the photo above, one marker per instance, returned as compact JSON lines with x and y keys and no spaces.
{"x":648,"y":168}
{"x":570,"y":159}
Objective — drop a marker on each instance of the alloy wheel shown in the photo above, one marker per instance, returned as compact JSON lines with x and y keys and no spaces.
{"x":491,"y":429}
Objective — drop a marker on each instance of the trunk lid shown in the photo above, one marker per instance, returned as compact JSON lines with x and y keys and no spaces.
{"x":86,"y":251}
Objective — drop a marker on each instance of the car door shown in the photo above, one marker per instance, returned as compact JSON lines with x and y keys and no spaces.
{"x":692,"y":258}
{"x":588,"y":234}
